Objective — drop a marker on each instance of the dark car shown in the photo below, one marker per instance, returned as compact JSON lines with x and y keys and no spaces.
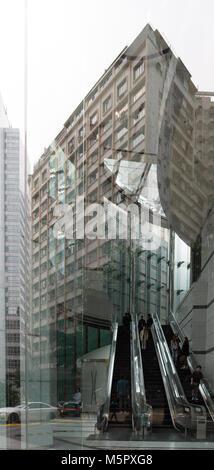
{"x":69,"y":408}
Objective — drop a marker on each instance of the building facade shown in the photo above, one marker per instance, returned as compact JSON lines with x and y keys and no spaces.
{"x":15,"y":266}
{"x":107,"y":154}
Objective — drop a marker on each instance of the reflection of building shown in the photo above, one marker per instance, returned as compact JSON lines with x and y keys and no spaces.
{"x":15,"y":253}
{"x":108,"y":148}
{"x":191,"y":216}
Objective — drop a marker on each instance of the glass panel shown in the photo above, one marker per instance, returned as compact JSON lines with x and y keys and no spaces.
{"x":106,"y":219}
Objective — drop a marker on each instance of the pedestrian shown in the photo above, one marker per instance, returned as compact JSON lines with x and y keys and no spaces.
{"x":123,"y":393}
{"x":184,"y":354}
{"x":127,"y":319}
{"x":196,"y":377}
{"x":114,"y":408}
{"x":144,"y":335}
{"x":174,"y":345}
{"x":141,"y":323}
{"x":149,"y":324}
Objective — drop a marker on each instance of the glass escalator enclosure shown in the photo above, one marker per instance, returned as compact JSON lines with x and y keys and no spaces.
{"x":141,"y":411}
{"x":184,"y":415}
{"x":103,"y":412}
{"x":203,"y":387}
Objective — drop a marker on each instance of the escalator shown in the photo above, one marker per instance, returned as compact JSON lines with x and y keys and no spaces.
{"x":122,"y":368}
{"x":184,"y":415}
{"x":125,"y":361}
{"x":206,"y":396}
{"x":184,"y":374}
{"x":155,"y":391}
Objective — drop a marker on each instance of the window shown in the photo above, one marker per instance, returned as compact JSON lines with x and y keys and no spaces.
{"x":13,"y":337}
{"x":138,"y":70}
{"x":11,"y":187}
{"x":121,"y":89}
{"x":12,"y":208}
{"x":13,"y":364}
{"x":80,"y":188}
{"x":44,"y":251}
{"x":12,"y":167}
{"x":12,"y":228}
{"x":44,"y":221}
{"x":138,"y":114}
{"x":12,"y":269}
{"x":92,"y":197}
{"x":13,"y":351}
{"x":43,"y":284}
{"x":71,"y":145}
{"x":137,"y":139}
{"x":44,"y":175}
{"x":93,"y":137}
{"x":81,"y":171}
{"x":36,"y":257}
{"x":92,"y":177}
{"x":12,"y":238}
{"x":11,"y":248}
{"x":107,"y":104}
{"x":138,"y":93}
{"x":36,"y":287}
{"x":12,"y":259}
{"x":36,"y":183}
{"x":107,"y":144}
{"x":81,"y":133}
{"x":93,"y":158}
{"x":44,"y":206}
{"x":44,"y":190}
{"x":80,"y":151}
{"x":44,"y":267}
{"x":36,"y":272}
{"x":44,"y":236}
{"x":106,"y":124}
{"x":12,"y":279}
{"x":106,"y":186}
{"x":93,"y":119}
{"x":120,"y":133}
{"x":36,"y":227}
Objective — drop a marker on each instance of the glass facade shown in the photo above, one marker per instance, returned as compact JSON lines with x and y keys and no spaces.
{"x":106,"y":265}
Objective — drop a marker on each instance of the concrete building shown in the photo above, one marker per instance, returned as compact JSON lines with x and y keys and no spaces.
{"x":107,"y":152}
{"x":15,"y":244}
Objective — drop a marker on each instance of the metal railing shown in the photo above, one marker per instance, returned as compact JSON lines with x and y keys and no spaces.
{"x":184,"y":414}
{"x":103,"y":412}
{"x":192,"y":363}
{"x":141,"y":411}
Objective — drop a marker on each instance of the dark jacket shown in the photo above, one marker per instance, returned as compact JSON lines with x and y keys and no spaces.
{"x":149,"y":322}
{"x":185,"y":349}
{"x":197,"y":376}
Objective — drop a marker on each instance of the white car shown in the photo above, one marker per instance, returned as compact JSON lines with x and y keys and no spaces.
{"x":36,"y":411}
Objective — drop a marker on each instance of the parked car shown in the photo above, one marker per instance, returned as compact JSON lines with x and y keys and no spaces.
{"x":37,"y":411}
{"x":69,"y":408}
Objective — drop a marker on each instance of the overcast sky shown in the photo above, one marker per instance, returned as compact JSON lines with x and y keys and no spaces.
{"x":71,"y":43}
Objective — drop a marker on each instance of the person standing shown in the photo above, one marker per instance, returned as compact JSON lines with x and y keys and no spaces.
{"x":149,"y":324}
{"x":123,"y":393}
{"x":184,"y":354}
{"x":143,"y":335}
{"x":197,"y":376}
{"x":141,"y":323}
{"x":127,"y":319}
{"x":174,"y":349}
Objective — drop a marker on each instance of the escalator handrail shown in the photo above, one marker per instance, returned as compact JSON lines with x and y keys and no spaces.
{"x":103,"y":412}
{"x":182,"y":412}
{"x":140,"y":409}
{"x":192,"y":363}
{"x":164,"y":373}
